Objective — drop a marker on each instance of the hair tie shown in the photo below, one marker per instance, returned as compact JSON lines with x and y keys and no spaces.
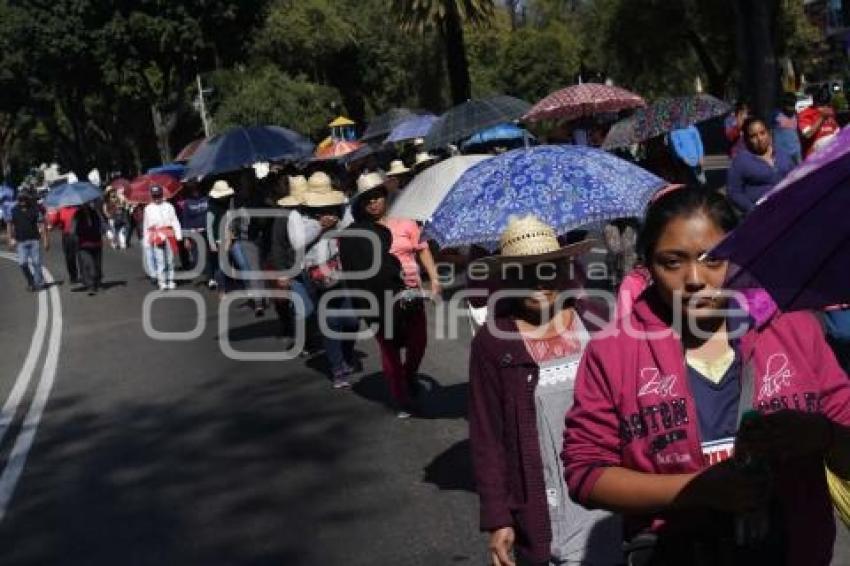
{"x":665,"y":191}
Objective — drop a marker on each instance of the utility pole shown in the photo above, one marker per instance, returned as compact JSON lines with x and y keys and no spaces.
{"x":202,"y":107}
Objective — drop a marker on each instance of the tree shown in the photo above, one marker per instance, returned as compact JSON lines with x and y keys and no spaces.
{"x":448,"y":17}
{"x":268,"y":96}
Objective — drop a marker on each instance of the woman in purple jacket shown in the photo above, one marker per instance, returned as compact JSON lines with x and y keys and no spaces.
{"x":522,"y":367}
{"x":654,"y":432}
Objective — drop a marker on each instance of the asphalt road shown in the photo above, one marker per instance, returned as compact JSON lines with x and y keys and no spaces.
{"x":143,"y":451}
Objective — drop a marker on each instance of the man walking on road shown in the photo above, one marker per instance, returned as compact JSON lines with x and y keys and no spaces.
{"x":26,"y":230}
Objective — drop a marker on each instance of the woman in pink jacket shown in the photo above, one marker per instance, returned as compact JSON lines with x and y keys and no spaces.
{"x":658,"y":403}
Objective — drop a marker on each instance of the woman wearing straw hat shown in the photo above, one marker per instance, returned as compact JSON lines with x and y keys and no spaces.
{"x":522,"y":369}
{"x":320,"y":213}
{"x":369,"y":207}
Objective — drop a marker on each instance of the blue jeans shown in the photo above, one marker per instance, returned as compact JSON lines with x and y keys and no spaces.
{"x":29,"y":256}
{"x":340,"y":353}
{"x":164,"y":263}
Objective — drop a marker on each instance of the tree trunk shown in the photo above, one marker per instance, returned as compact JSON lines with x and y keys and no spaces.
{"x":456,"y":62}
{"x":756,"y":24}
{"x":163,"y":125}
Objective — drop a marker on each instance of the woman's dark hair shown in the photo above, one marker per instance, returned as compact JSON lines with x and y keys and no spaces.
{"x":741,"y":105}
{"x":683,"y":203}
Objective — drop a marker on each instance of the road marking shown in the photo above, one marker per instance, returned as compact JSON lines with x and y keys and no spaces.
{"x":23,"y":444}
{"x":22,"y":381}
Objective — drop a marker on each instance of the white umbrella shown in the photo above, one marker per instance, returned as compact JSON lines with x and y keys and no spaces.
{"x":419,"y":199}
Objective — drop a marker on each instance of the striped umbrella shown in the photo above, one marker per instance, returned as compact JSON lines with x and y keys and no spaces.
{"x":584,"y":100}
{"x":472,"y":116}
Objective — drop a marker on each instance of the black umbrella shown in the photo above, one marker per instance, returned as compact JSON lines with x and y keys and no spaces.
{"x":241,"y":147}
{"x":381,"y":126}
{"x":473,"y":116}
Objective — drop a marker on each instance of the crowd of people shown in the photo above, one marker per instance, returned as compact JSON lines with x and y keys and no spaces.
{"x":587,"y":449}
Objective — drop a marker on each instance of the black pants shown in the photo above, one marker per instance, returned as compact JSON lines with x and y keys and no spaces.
{"x":90,"y":267}
{"x":69,"y":247}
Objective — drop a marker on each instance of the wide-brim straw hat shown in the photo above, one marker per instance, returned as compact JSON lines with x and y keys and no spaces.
{"x":297,"y":189}
{"x":291,"y":201}
{"x":422,"y":158}
{"x":323,"y":199}
{"x":529,"y":240}
{"x":319,"y":182}
{"x":221,"y":189}
{"x":397,"y":168}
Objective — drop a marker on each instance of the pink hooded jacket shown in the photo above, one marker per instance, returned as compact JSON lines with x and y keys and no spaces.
{"x":633,"y":408}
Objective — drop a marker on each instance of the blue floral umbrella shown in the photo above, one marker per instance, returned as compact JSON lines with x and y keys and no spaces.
{"x":72,"y":194}
{"x":565,"y":186}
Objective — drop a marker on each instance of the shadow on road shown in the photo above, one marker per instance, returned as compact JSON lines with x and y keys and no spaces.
{"x":435,"y":400}
{"x":452,"y":470}
{"x":149,"y":475}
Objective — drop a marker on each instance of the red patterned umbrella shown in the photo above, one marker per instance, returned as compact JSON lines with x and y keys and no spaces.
{"x":187,"y":152}
{"x":140,"y":188}
{"x":579,"y":101}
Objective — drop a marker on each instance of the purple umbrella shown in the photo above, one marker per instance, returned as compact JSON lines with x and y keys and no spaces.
{"x":796,"y":243}
{"x":411,"y":128}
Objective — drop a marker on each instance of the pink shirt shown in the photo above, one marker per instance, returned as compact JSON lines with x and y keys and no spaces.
{"x":406,"y":244}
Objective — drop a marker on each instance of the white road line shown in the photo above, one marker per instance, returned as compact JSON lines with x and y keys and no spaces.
{"x":23,"y":444}
{"x":22,"y":382}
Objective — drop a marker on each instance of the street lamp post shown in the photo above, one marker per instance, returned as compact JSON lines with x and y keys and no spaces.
{"x":202,"y":107}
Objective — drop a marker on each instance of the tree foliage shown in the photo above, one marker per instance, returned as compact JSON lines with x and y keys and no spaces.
{"x":111,"y":82}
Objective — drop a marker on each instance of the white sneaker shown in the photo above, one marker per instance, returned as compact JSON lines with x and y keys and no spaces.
{"x":172,"y":285}
{"x":163,"y":287}
{"x":212,"y":284}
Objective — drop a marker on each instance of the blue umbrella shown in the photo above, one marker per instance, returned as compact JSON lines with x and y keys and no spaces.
{"x":72,"y":194}
{"x":565,"y":186}
{"x":176,"y":170}
{"x":499,"y":132}
{"x":411,"y":128}
{"x":238,"y":148}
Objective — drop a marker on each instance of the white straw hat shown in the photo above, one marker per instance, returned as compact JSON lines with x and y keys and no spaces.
{"x":529,"y":240}
{"x":422,"y":158}
{"x":397,"y":168}
{"x":297,"y":189}
{"x":319,"y":182}
{"x":322,"y":199}
{"x":369,"y":181}
{"x":221,"y":189}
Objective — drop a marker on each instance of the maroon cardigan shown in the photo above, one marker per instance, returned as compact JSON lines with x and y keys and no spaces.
{"x":503,"y":435}
{"x":504,"y":441}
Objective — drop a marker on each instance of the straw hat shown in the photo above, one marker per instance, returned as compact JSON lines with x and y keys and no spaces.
{"x":323,"y":199}
{"x":297,"y":188}
{"x":221,"y":189}
{"x":529,"y":240}
{"x":397,"y":168}
{"x":422,"y":158}
{"x":368,"y":181}
{"x":319,"y":182}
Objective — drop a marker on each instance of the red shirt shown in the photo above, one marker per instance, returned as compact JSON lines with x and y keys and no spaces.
{"x":807,"y":119}
{"x":66,"y":217}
